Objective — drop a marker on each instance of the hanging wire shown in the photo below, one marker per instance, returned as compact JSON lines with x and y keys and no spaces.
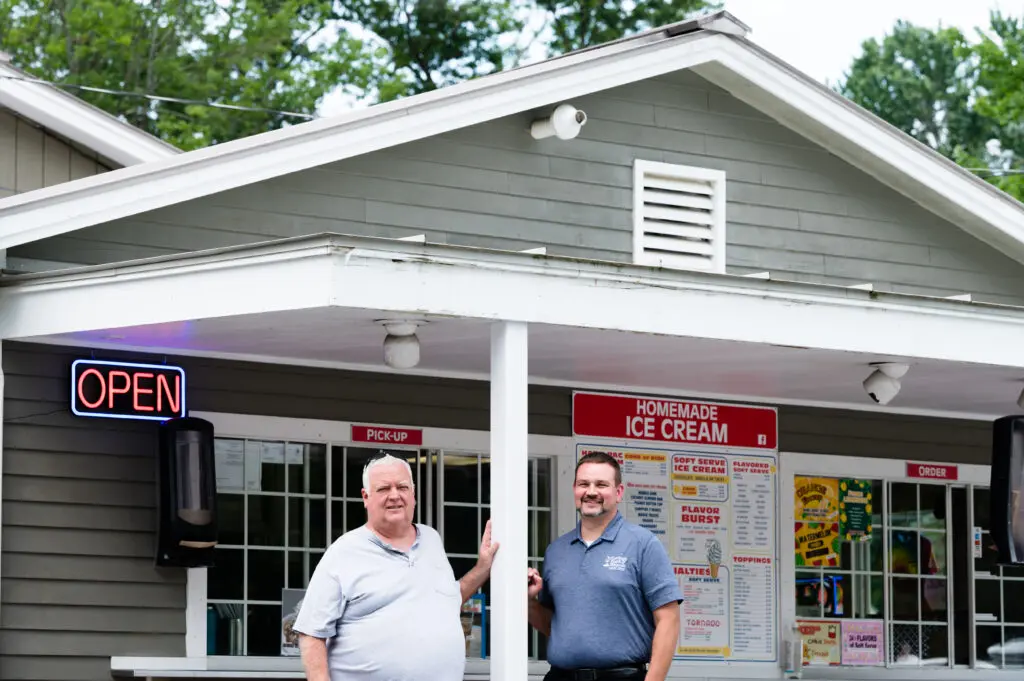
{"x":157,"y":98}
{"x":997,"y":171}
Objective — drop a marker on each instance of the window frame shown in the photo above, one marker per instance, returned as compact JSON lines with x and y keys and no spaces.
{"x":792,"y":464}
{"x":560,"y":449}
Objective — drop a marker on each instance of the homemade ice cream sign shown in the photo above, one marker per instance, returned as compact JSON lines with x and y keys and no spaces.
{"x":127,"y":390}
{"x":702,"y":477}
{"x":691,"y":423}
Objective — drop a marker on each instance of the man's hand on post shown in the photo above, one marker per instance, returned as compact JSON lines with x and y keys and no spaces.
{"x":476,"y":577}
{"x":487,"y":550}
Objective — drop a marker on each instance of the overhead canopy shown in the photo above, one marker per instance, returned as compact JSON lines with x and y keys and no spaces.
{"x":318,"y":301}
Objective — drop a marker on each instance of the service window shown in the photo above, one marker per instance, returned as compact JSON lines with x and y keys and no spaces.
{"x":282,"y":502}
{"x":895,"y":568}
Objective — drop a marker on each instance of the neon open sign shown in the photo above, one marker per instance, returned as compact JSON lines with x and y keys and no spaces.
{"x":125,"y":390}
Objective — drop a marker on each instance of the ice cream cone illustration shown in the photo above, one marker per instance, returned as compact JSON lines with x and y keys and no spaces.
{"x":714,"y":553}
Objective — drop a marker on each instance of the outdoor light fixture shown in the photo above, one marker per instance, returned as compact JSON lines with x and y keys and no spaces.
{"x":401,"y":346}
{"x":565,"y":123}
{"x":884,"y":382}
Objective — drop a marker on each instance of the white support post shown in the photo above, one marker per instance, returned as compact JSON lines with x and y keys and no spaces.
{"x":1,"y":470}
{"x":509,"y":501}
{"x":195,"y":612}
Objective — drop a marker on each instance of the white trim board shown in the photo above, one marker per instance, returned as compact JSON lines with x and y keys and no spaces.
{"x":722,"y":55}
{"x":80,"y":122}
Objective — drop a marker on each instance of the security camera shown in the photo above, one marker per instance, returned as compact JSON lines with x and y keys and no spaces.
{"x":565,"y":123}
{"x":883,"y":384}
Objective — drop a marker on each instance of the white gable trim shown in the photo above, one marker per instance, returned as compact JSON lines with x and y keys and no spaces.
{"x":871,"y":144}
{"x":746,"y":71}
{"x":79,"y":121}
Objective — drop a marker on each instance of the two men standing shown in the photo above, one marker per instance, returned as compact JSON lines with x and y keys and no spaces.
{"x":390,"y":581}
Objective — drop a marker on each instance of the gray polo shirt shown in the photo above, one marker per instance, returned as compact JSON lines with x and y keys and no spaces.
{"x":603,"y":596}
{"x":388,"y":615}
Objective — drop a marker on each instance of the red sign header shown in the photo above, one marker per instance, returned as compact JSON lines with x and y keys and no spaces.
{"x":696,"y":423}
{"x":380,"y":435}
{"x":931,"y":471}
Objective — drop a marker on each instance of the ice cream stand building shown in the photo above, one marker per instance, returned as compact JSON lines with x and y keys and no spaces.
{"x":793,"y":325}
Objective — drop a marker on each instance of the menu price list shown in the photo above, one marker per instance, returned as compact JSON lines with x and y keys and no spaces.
{"x":753,"y":611}
{"x":704,"y":629}
{"x":753,"y":504}
{"x":647,"y":508}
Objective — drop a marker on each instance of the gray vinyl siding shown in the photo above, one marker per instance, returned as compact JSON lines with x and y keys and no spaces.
{"x":31,"y":158}
{"x":78,"y":581}
{"x":793,"y":208}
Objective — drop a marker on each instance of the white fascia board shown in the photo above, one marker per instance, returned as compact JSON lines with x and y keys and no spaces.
{"x":195,"y":288}
{"x":852,"y":127}
{"x":109,"y":196}
{"x":79,"y":121}
{"x":769,"y":314}
{"x":435,"y":280}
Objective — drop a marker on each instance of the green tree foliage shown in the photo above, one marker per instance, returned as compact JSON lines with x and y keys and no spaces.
{"x":286,"y":55}
{"x":275,"y":54}
{"x":1000,"y":98}
{"x":421,"y":45}
{"x":963,"y":98}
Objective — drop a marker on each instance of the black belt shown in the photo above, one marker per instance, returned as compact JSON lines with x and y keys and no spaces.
{"x":623,"y":671}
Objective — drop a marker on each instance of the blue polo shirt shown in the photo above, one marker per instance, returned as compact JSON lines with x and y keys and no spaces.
{"x":603,"y":596}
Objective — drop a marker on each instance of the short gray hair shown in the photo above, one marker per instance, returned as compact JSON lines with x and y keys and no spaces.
{"x":381,"y":461}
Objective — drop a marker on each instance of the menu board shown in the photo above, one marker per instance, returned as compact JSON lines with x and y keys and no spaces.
{"x":715,"y":516}
{"x":708,"y":492}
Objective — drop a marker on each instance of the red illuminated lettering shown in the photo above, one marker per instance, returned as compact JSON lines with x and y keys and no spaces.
{"x":163,"y":388}
{"x":81,"y":393}
{"x":137,"y":390}
{"x":114,"y":390}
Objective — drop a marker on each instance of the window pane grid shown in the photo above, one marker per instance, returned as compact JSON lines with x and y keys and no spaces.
{"x":285,"y":520}
{"x":236,"y":613}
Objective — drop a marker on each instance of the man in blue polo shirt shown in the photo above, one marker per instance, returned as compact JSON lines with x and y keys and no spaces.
{"x":608,"y":600}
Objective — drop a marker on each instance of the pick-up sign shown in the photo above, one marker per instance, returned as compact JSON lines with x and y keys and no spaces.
{"x":380,"y":435}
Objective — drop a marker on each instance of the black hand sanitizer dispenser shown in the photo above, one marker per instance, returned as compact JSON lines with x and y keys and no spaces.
{"x":187,"y":491}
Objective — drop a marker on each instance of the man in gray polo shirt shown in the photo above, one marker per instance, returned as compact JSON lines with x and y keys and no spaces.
{"x":608,"y":599}
{"x":383,"y":603}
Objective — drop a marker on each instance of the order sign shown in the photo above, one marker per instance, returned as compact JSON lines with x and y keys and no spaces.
{"x":699,"y":423}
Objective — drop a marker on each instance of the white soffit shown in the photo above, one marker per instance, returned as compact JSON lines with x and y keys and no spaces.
{"x":425,"y":279}
{"x":79,"y":121}
{"x":729,"y":60}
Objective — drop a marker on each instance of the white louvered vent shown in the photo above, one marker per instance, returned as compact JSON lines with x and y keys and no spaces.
{"x":678,"y":217}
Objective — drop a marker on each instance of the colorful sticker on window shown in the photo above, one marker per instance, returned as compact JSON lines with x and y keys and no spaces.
{"x":855,"y":506}
{"x":816,"y":500}
{"x":817,"y":544}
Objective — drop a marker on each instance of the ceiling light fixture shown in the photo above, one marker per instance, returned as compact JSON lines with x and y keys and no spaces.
{"x":884,"y":382}
{"x":401,"y":345}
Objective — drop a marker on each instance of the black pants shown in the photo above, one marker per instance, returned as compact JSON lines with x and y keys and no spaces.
{"x":630,"y":673}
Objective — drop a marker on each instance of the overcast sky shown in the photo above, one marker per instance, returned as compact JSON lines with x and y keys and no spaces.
{"x":822,"y":42}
